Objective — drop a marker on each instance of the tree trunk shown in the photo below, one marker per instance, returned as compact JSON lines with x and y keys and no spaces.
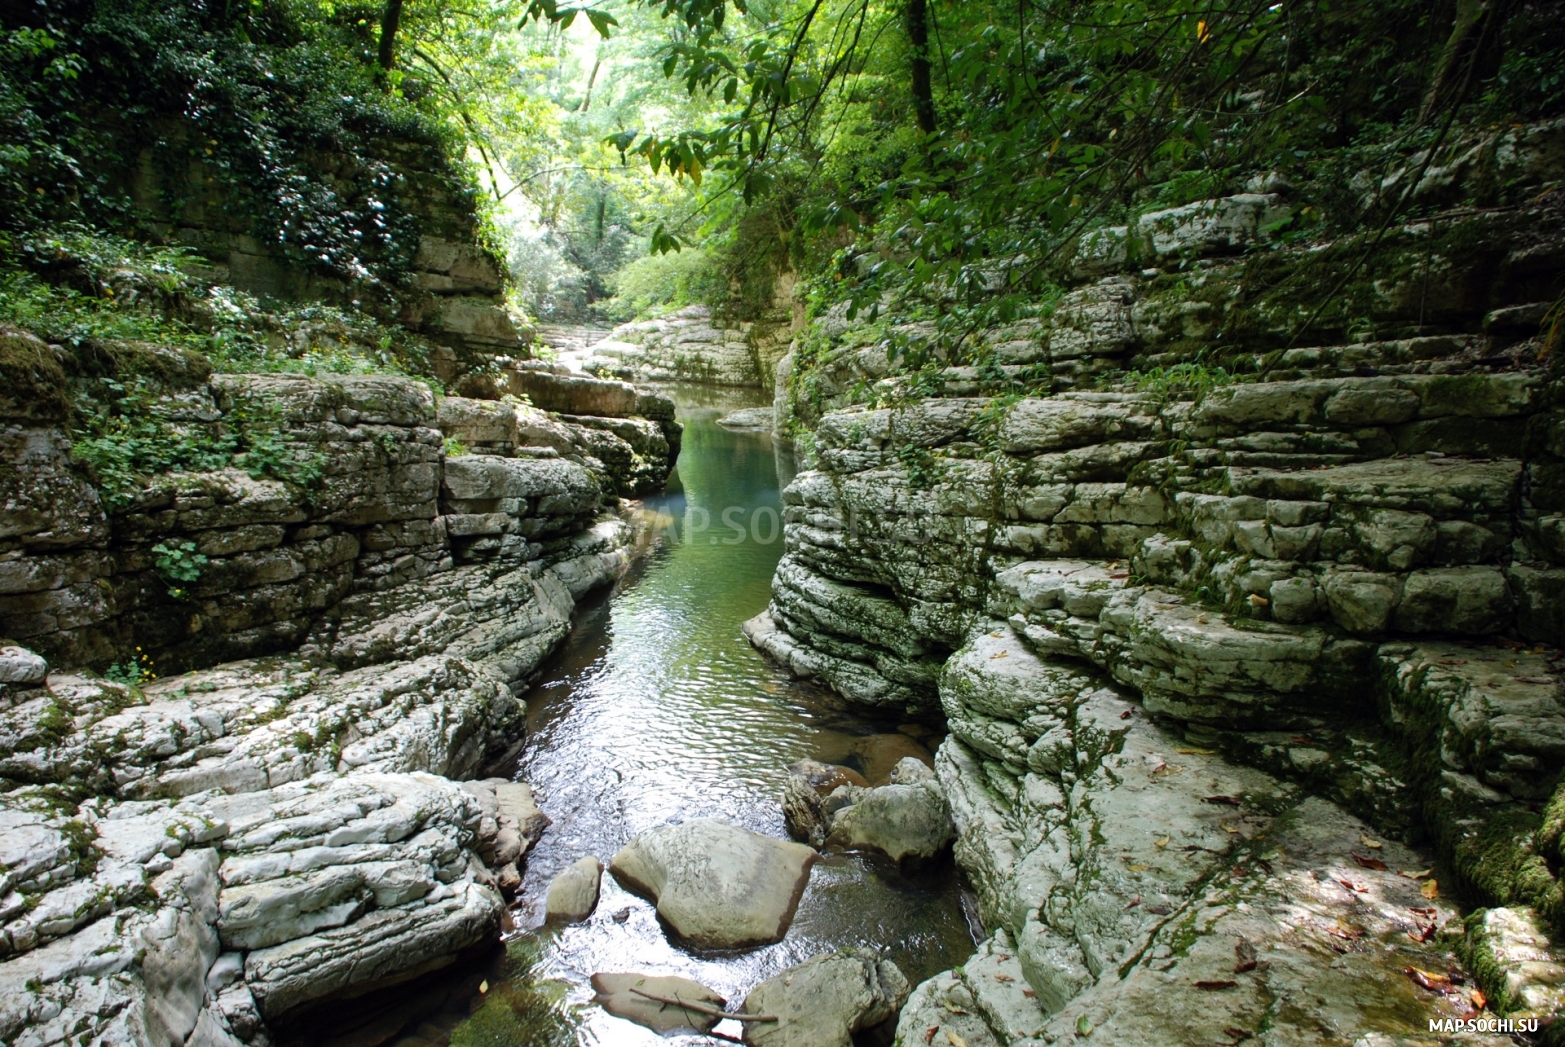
{"x":389,"y":20}
{"x":1475,"y":42}
{"x":918,"y":36}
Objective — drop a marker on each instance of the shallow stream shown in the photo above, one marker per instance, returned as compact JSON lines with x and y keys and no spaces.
{"x":656,"y":711}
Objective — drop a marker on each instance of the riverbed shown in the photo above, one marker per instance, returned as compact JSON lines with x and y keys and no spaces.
{"x":657,"y":710}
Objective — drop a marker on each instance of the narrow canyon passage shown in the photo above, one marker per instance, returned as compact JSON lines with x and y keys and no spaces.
{"x":659,"y":711}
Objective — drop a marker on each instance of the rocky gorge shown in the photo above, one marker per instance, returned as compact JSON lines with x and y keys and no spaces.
{"x":1173,"y":658}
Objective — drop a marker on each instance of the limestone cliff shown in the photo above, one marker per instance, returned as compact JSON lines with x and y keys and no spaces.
{"x":1208,"y":642}
{"x":205,"y":857}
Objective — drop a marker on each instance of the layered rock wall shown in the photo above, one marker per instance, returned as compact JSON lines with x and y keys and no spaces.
{"x":1207,"y":644}
{"x":209,"y":858}
{"x":689,"y":345}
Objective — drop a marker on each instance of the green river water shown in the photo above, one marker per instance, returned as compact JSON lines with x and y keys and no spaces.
{"x":658,"y":710}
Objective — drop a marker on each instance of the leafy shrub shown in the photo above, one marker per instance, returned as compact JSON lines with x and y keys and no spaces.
{"x":140,"y":434}
{"x":660,"y":282}
{"x":178,"y":562}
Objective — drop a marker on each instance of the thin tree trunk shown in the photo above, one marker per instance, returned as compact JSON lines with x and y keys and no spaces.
{"x":918,"y":36}
{"x":389,"y":20}
{"x":597,"y":63}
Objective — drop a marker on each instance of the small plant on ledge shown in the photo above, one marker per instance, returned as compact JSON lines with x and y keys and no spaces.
{"x":178,"y":563}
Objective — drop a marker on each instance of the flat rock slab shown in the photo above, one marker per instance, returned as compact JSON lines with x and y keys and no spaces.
{"x":761,"y":418}
{"x":618,"y":994}
{"x":825,"y":1000}
{"x":717,"y":885}
{"x":573,"y":894}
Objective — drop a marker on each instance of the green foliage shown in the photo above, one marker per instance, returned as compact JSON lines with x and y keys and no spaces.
{"x":178,"y":562}
{"x":133,"y":672}
{"x":1182,"y":381}
{"x":654,"y":284}
{"x":135,"y":434}
{"x":273,"y":103}
{"x":454,"y":448}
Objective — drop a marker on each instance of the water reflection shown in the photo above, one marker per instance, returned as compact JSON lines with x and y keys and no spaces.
{"x":658,"y":711}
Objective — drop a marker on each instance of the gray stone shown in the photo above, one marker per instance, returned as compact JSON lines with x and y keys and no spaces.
{"x":903,"y":821}
{"x":717,"y":885}
{"x":573,"y":894}
{"x":759,"y":418}
{"x":825,"y":1000}
{"x":18,"y":665}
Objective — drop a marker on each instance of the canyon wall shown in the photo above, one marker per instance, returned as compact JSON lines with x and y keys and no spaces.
{"x":202,"y":850}
{"x":1243,"y":667}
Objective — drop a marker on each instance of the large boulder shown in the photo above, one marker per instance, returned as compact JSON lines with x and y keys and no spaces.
{"x":825,"y":1000}
{"x":717,"y":885}
{"x":573,"y":894}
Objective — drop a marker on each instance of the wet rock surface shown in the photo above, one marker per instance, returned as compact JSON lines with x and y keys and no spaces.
{"x":825,"y":1000}
{"x":906,"y":819}
{"x":643,"y":999}
{"x":573,"y":894}
{"x":715,"y":884}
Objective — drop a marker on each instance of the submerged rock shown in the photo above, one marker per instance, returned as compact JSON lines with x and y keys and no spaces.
{"x":717,"y":885}
{"x":825,"y":1000}
{"x":573,"y":894}
{"x":630,"y":996}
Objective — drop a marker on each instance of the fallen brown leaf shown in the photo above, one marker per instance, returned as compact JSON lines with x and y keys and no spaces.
{"x":1215,"y":984}
{"x":1133,"y":903}
{"x":1423,"y":934}
{"x":929,"y":1037}
{"x":1244,"y":953}
{"x":1350,"y":885}
{"x":1239,"y":1035}
{"x":1414,"y":874}
{"x":1029,"y":994}
{"x":1430,"y":889}
{"x":1479,"y":1000}
{"x":1196,"y":752}
{"x":1003,"y":978}
{"x":1368,"y":863}
{"x":1346,"y":930}
{"x":954,"y":1039}
{"x":1229,"y":828}
{"x":1428,"y":979}
{"x":1160,"y":844}
{"x":1373,"y":845}
{"x":1125,"y":715}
